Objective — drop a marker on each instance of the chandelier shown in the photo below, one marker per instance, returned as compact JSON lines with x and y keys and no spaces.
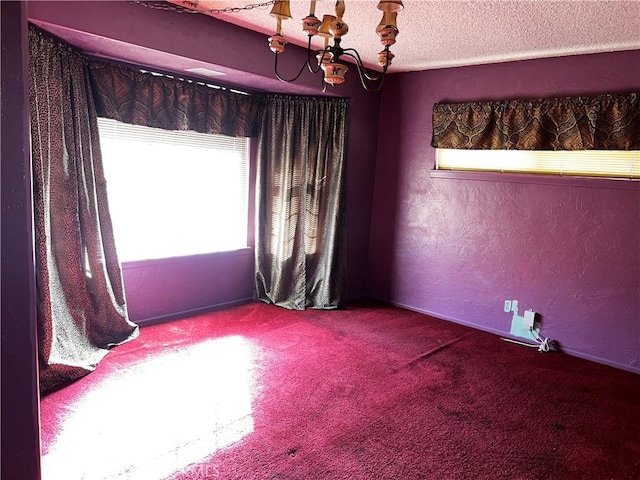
{"x":328,"y":59}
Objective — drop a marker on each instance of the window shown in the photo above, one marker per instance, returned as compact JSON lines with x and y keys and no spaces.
{"x":584,"y":163}
{"x":174,"y":193}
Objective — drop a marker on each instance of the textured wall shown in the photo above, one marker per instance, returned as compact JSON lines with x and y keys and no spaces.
{"x":139,"y":35}
{"x":457,"y":248}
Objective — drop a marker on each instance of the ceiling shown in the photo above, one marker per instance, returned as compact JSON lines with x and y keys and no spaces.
{"x":448,"y":33}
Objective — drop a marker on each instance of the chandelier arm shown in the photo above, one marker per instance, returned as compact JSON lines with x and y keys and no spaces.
{"x":362,"y":73}
{"x":310,"y":66}
{"x":312,"y":54}
{"x":275,"y":69}
{"x":361,"y":67}
{"x":378,"y":88}
{"x":307,"y":63}
{"x":366,"y":79}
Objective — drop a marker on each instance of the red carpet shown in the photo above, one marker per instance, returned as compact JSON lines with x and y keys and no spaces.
{"x":373,"y":392}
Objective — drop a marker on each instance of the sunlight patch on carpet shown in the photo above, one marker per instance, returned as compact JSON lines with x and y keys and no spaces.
{"x":159,"y":415}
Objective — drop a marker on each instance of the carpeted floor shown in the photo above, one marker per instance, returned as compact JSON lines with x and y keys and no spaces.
{"x":371,"y":392}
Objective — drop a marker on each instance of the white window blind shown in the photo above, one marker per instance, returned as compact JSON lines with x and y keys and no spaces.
{"x":174,"y":193}
{"x":584,"y":163}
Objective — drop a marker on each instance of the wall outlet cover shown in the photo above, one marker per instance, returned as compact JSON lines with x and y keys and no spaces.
{"x":507,"y":306}
{"x":518,"y":329}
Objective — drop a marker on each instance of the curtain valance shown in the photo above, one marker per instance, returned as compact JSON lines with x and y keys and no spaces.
{"x":139,"y":98}
{"x":605,"y":122}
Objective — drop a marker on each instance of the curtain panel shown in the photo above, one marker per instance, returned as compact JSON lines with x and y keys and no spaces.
{"x":300,"y":202}
{"x":138,"y":98}
{"x":605,"y":122}
{"x":81,"y":303}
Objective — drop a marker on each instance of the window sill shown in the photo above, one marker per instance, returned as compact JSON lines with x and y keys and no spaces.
{"x":568,"y":181}
{"x":240,"y":252}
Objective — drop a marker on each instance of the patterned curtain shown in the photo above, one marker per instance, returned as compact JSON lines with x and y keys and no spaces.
{"x":605,"y":122}
{"x":138,"y":98}
{"x":81,"y":305}
{"x":300,"y":202}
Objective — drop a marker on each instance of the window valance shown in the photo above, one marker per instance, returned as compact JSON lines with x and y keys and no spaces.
{"x":605,"y":122}
{"x":140,"y":98}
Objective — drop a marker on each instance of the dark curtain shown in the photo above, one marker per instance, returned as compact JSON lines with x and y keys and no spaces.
{"x":300,"y":202}
{"x":81,"y":304}
{"x":138,"y":98}
{"x":605,"y":122}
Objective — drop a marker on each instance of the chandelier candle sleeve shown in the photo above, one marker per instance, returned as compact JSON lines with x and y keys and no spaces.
{"x":333,"y":28}
{"x":334,"y":73}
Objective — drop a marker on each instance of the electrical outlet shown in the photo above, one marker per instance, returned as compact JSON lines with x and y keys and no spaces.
{"x":507,"y":306}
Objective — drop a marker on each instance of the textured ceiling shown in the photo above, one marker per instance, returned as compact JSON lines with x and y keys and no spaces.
{"x":447,"y":33}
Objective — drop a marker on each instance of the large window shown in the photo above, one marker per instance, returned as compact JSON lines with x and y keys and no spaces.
{"x":173,"y":193}
{"x":584,"y":163}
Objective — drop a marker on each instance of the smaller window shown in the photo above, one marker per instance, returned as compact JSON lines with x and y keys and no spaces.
{"x":583,"y":163}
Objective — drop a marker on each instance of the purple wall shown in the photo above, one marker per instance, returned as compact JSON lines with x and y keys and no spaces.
{"x":457,"y":248}
{"x":139,"y":35}
{"x":177,"y":287}
{"x":20,"y":407}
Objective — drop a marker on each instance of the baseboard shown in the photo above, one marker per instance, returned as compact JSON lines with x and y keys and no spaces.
{"x":568,"y":351}
{"x":603,"y":361}
{"x":495,"y":331}
{"x":189,"y":313}
{"x":358,"y":298}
